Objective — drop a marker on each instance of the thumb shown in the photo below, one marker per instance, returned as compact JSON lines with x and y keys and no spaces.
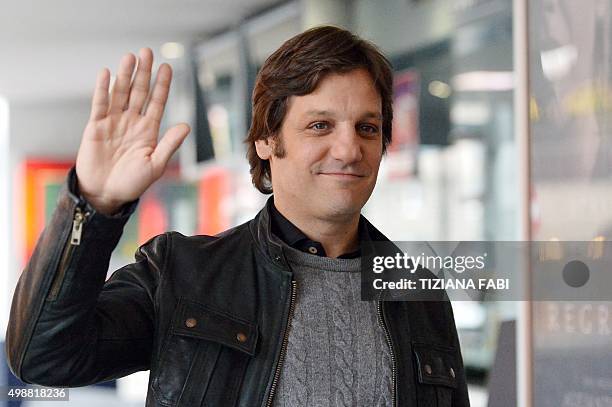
{"x":168,"y":144}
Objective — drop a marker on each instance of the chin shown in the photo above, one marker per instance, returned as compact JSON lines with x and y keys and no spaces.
{"x":344,"y":204}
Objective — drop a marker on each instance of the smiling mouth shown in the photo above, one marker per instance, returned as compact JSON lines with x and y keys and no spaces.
{"x":342,"y":175}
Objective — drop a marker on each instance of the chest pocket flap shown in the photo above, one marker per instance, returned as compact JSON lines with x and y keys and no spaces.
{"x":436,"y":365}
{"x":207,"y":349}
{"x":201,"y":321}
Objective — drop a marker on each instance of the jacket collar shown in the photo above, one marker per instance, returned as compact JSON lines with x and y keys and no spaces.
{"x":261,"y":229}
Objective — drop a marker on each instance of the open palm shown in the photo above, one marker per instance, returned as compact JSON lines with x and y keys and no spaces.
{"x":120,"y":156}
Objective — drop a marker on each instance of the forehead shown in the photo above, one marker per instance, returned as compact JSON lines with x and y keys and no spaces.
{"x":340,"y":93}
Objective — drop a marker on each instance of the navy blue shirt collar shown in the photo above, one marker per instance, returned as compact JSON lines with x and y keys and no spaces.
{"x":294,"y":237}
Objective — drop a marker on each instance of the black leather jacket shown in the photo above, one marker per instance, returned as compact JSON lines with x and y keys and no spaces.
{"x":208,"y":316}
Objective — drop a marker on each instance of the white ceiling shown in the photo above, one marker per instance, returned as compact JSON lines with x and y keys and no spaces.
{"x":54,"y":49}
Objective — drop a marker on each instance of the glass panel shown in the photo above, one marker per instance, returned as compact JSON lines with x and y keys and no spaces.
{"x":570,"y":73}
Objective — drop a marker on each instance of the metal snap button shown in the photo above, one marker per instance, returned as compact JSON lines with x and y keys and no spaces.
{"x":277,"y":257}
{"x":428,"y":369}
{"x":312,"y":250}
{"x":452,"y":372}
{"x":191,"y":322}
{"x":241,"y":337}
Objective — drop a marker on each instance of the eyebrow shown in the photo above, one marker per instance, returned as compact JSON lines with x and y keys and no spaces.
{"x":367,"y":115}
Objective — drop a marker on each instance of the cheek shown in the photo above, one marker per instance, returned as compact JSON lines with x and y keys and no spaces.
{"x":373,"y":157}
{"x":298,"y":167}
{"x":310,"y":157}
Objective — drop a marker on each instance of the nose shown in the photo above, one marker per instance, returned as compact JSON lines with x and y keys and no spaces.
{"x":346,"y":145}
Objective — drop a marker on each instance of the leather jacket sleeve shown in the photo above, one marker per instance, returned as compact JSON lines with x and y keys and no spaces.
{"x":70,"y":327}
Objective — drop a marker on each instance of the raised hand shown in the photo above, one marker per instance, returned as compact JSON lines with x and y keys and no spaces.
{"x":120,"y":156}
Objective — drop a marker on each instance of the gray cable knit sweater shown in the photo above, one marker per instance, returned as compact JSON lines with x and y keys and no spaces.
{"x":337,"y":353}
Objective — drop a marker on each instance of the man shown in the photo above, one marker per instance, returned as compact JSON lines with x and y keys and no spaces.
{"x":267,"y":313}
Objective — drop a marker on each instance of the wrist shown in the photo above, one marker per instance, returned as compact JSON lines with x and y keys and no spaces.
{"x":107,"y":207}
{"x":104,"y":207}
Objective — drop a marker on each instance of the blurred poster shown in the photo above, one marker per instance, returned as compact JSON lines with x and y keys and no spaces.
{"x":571,"y":165}
{"x":401,"y":160}
{"x":214,"y":188}
{"x":406,"y":87}
{"x":41,"y":180}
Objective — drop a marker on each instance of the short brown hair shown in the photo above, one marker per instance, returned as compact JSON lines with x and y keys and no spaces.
{"x":295,"y":69}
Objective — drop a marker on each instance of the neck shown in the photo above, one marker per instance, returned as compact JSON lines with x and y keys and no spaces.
{"x":337,"y":234}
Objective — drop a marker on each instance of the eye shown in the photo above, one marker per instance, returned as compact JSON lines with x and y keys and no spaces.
{"x":319,"y":126}
{"x":368,"y":129}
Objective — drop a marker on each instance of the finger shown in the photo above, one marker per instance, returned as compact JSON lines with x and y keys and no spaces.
{"x":140,"y":86}
{"x":168,"y":144}
{"x":121,"y":88}
{"x":99,"y":103}
{"x":155,"y":109}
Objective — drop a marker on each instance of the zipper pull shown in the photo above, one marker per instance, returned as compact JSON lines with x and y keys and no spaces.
{"x":77,"y":227}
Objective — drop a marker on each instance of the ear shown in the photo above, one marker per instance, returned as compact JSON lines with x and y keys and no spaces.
{"x":264,"y":148}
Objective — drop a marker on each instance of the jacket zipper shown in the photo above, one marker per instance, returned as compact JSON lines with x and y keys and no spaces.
{"x":75,"y":240}
{"x":381,"y":321}
{"x":281,"y":358}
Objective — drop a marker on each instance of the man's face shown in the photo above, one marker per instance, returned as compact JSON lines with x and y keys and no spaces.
{"x":332,"y":143}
